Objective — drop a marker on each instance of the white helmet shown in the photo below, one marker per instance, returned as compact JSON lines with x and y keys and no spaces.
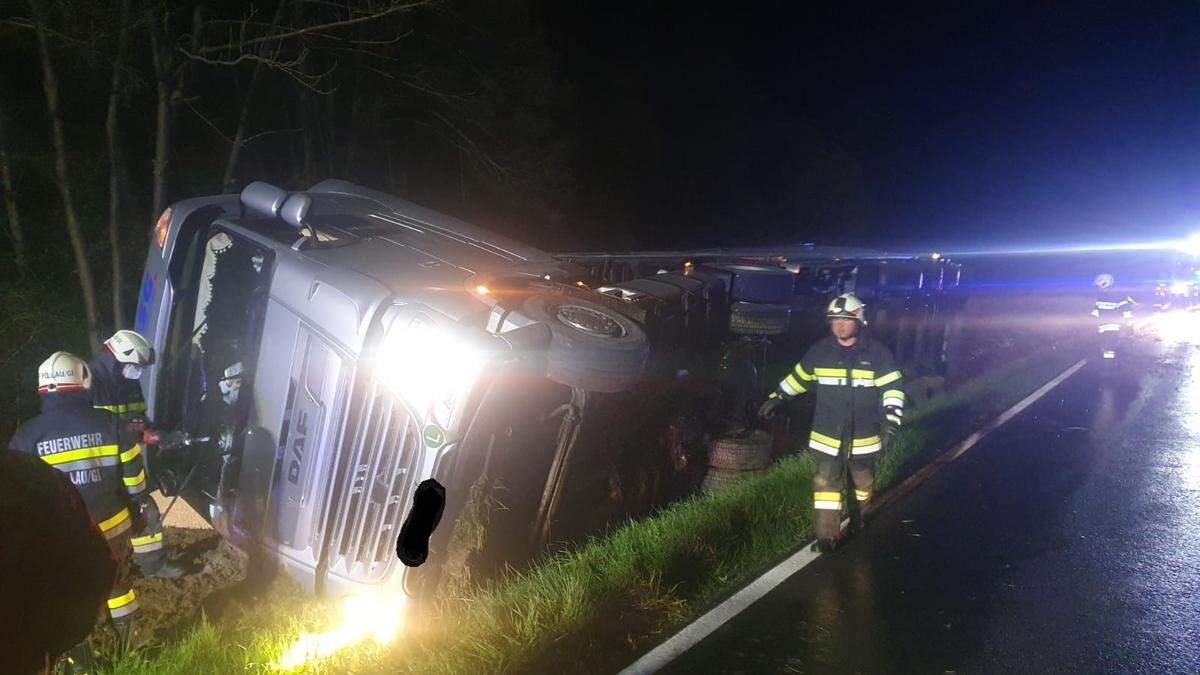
{"x":62,"y":372}
{"x":846,"y":306}
{"x":1104,"y":281}
{"x":130,"y":347}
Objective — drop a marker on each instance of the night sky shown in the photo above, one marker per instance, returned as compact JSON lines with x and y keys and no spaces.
{"x":958,"y":126}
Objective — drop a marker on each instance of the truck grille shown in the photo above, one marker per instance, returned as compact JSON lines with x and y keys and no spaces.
{"x":382,"y":449}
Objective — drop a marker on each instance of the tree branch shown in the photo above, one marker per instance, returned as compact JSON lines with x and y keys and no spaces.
{"x":208,"y":122}
{"x":319,"y":28}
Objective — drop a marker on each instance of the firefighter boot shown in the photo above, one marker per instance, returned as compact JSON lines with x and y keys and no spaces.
{"x":824,"y":545}
{"x":77,"y":661}
{"x":123,"y":627}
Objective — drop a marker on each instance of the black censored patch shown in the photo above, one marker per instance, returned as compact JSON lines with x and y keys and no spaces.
{"x":429,"y":500}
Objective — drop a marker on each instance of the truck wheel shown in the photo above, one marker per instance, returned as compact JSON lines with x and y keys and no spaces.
{"x":750,"y":319}
{"x":741,"y":454}
{"x":718,"y":480}
{"x":591,"y":346}
{"x":761,"y":284}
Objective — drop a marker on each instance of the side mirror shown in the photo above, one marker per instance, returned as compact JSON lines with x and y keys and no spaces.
{"x":294,"y":211}
{"x":263,"y":198}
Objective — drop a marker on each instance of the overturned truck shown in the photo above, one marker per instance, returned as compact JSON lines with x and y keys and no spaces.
{"x":322,"y":352}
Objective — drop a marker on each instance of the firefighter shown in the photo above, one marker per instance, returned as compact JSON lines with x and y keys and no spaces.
{"x":1112,"y":309}
{"x":102,"y":460}
{"x":859,"y":409}
{"x":115,"y":388}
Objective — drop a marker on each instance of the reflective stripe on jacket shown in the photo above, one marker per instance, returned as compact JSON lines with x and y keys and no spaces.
{"x":90,"y":447}
{"x":112,"y":392}
{"x":852,"y":386}
{"x":1110,"y":308}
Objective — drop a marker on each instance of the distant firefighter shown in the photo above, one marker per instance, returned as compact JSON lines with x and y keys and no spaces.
{"x":55,"y":566}
{"x":1112,"y":309}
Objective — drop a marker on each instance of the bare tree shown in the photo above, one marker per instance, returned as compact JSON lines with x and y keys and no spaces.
{"x":10,"y":199}
{"x":74,"y":231}
{"x":114,"y":168}
{"x":169,"y":76}
{"x":239,"y":136}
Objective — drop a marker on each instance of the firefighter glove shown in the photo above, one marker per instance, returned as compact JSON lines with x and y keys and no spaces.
{"x":165,"y":439}
{"x":769,"y":407}
{"x":891,"y":425}
{"x":138,"y":516}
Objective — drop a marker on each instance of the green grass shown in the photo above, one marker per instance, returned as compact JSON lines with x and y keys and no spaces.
{"x":596,"y":607}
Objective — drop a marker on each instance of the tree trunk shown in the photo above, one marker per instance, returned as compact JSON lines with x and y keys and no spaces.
{"x":239,"y":136}
{"x":170,"y":95}
{"x":161,"y":116}
{"x":10,"y":200}
{"x":355,"y":126}
{"x":114,"y":170}
{"x":50,"y":86}
{"x":307,"y":116}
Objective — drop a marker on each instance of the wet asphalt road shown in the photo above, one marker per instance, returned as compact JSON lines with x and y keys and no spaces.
{"x":1067,"y":540}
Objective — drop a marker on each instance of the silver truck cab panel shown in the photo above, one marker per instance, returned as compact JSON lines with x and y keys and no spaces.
{"x":514,"y":250}
{"x":315,"y":328}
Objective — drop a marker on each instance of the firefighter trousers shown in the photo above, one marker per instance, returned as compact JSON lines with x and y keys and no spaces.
{"x":829,"y":487}
{"x":148,"y":552}
{"x":122,"y":601}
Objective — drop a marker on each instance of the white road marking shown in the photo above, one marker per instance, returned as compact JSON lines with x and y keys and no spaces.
{"x":659,"y":657}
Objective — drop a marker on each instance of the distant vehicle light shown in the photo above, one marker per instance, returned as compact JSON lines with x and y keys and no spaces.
{"x":161,"y":227}
{"x":482,"y":290}
{"x":936,"y":255}
{"x":1191,"y":245}
{"x":1180,"y":288}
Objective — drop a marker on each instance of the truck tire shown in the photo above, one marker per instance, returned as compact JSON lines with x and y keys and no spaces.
{"x":751,"y":319}
{"x":741,"y":454}
{"x":591,"y":346}
{"x":761,"y":284}
{"x":718,"y":480}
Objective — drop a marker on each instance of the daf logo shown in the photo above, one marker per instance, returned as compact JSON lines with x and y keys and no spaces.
{"x":297,"y":449}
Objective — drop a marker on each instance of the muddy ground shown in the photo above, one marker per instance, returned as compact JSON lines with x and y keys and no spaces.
{"x":169,"y":606}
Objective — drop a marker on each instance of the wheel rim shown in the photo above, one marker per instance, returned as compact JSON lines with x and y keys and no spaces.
{"x":590,"y":321}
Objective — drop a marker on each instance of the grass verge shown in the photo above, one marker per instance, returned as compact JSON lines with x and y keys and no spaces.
{"x":596,"y":607}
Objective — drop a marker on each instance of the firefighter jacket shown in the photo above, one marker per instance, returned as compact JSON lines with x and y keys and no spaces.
{"x":112,"y":391}
{"x":1111,"y":308}
{"x":102,"y":461}
{"x":121,"y":396}
{"x":852,"y":386}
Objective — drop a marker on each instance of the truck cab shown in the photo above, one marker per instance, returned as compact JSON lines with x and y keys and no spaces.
{"x":323,"y":352}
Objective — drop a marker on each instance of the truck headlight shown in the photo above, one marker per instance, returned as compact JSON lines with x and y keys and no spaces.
{"x":428,"y":365}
